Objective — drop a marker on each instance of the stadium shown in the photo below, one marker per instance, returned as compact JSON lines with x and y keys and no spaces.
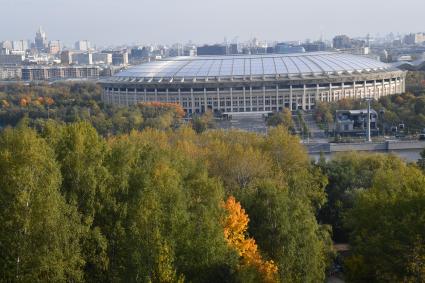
{"x":253,"y":83}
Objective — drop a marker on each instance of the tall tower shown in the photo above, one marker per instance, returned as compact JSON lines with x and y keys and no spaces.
{"x":40,"y":40}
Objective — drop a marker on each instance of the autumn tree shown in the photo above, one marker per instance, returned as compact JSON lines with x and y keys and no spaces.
{"x":235,"y":233}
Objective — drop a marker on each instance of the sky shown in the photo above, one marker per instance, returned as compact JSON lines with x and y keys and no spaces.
{"x":113,"y":22}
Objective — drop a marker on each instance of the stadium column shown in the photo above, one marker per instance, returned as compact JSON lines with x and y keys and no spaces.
{"x":250,"y":98}
{"x":403,"y":79}
{"x":365,"y":89}
{"x":375,"y":94}
{"x":156,"y":94}
{"x":192,"y":100}
{"x":304,"y":106}
{"x":354,"y":90}
{"x":317,"y":94}
{"x":180,"y":97}
{"x":397,"y":84}
{"x":244,"y":99}
{"x":144,"y":94}
{"x":384,"y":93}
{"x":290,"y":97}
{"x":343,"y":90}
{"x":119,"y":96}
{"x":166,"y":95}
{"x":135,"y":96}
{"x":126,"y":97}
{"x":218,"y":99}
{"x":231,"y":99}
{"x":264,"y":98}
{"x":329,"y":98}
{"x":205,"y":100}
{"x":277,"y":98}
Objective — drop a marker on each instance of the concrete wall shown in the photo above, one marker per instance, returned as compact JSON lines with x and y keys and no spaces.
{"x":382,"y":146}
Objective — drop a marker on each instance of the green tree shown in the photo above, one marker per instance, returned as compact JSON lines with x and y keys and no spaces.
{"x":81,"y":153}
{"x":283,"y":118}
{"x":347,"y":173}
{"x":286,"y":229}
{"x":203,"y":122}
{"x":388,"y":228}
{"x":421,"y":161}
{"x":39,"y":232}
{"x":171,"y":204}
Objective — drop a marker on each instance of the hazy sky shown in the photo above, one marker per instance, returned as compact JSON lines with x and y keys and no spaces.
{"x":204,"y":21}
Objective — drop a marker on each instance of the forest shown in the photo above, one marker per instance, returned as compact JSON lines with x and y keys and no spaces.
{"x":94,"y":193}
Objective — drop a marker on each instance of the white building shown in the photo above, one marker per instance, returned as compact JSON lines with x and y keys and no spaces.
{"x":10,"y":73}
{"x":82,"y":45}
{"x":254,"y":83}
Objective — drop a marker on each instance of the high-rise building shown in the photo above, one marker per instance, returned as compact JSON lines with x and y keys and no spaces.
{"x":54,"y":47}
{"x":82,"y":45}
{"x":66,"y":57}
{"x":20,"y":45}
{"x":7,"y":44}
{"x":120,"y":58}
{"x":341,"y":42}
{"x":414,"y":38}
{"x":284,"y":48}
{"x":41,"y":43}
{"x":102,"y":58}
{"x":215,"y":49}
{"x":10,"y":72}
{"x":11,"y":60}
{"x":39,"y":73}
{"x":344,"y":42}
{"x":82,"y":58}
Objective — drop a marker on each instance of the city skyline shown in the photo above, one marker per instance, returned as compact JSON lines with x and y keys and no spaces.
{"x":204,"y":22}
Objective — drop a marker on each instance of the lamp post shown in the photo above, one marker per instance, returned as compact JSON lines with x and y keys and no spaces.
{"x":368,"y":137}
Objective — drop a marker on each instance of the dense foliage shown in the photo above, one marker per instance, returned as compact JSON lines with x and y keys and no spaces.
{"x":158,"y":206}
{"x":95,"y":193}
{"x":387,"y":226}
{"x":73,"y":102}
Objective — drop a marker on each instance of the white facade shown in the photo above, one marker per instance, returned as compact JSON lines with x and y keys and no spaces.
{"x":10,"y":73}
{"x":267,"y":98}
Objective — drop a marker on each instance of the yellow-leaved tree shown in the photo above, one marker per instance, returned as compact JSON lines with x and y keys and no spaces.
{"x":235,"y":233}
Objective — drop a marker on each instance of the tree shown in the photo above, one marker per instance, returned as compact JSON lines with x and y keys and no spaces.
{"x":291,"y":159}
{"x":421,"y":161}
{"x":387,"y":224}
{"x":235,"y":233}
{"x":171,"y":221}
{"x":204,"y":122}
{"x":348,"y":173}
{"x":283,"y":118}
{"x":81,"y":153}
{"x":286,"y":229}
{"x":39,"y":232}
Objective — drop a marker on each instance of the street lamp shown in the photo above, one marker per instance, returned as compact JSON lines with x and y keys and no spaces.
{"x":368,"y":137}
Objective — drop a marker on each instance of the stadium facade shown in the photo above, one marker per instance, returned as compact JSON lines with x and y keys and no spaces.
{"x":254,"y":83}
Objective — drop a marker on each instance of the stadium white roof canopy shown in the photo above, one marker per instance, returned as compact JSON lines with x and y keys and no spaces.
{"x":252,"y":66}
